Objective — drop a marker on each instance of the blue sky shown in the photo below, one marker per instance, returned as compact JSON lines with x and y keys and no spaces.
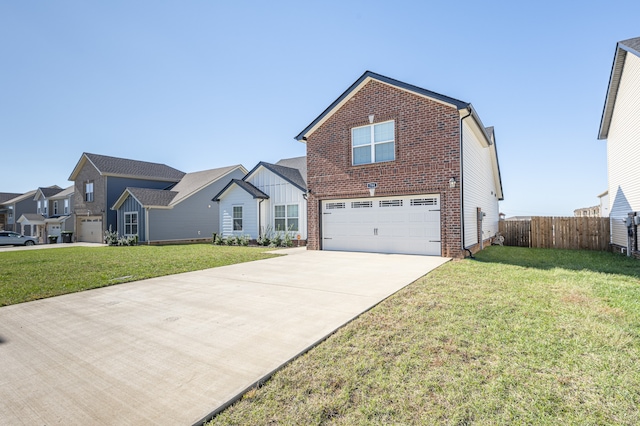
{"x":204,"y":84}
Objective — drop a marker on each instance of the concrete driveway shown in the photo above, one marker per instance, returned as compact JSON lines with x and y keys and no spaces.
{"x":173,"y":350}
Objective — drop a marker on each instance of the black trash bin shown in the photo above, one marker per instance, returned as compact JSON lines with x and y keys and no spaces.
{"x":66,"y":237}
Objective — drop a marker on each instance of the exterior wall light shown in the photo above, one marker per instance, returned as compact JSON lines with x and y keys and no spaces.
{"x":452,"y":182}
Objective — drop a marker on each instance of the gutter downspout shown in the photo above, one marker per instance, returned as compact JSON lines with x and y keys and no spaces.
{"x":462,"y":183}
{"x":146,"y":225}
{"x":259,"y":217}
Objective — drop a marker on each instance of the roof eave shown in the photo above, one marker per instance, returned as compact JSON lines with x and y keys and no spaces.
{"x":274,"y":171}
{"x":360,"y":82}
{"x":612,"y":89}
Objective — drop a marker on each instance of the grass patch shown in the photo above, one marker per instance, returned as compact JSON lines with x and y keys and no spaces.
{"x":518,"y":336}
{"x":36,"y":274}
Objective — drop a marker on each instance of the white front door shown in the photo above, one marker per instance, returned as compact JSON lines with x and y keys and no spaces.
{"x":404,"y":224}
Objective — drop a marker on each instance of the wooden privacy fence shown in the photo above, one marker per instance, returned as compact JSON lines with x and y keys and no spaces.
{"x":577,"y":233}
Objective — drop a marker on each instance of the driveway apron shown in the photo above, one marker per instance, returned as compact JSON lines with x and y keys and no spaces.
{"x":174,"y":349}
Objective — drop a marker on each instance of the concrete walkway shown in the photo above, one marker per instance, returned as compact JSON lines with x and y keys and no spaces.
{"x":174,"y":349}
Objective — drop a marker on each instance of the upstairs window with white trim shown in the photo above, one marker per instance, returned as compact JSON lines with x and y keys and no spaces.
{"x":130,"y":224}
{"x":286,"y":217}
{"x":66,"y":206}
{"x":55,"y":208}
{"x":39,"y":206}
{"x":88,"y":192}
{"x":374,"y":143}
{"x":237,"y":218}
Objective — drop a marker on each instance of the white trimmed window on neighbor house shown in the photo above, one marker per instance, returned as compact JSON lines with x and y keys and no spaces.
{"x":66,"y":206}
{"x":130,"y":224}
{"x":237,"y":218}
{"x":88,"y":192}
{"x":286,"y":217}
{"x":374,"y":143}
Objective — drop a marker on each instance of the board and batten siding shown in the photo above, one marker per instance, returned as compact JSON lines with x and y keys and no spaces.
{"x":131,"y":205}
{"x":236,"y":196}
{"x":281,"y":192}
{"x":622,"y":151}
{"x":479,"y":187}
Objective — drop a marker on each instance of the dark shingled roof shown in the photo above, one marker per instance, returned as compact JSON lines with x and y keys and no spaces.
{"x":252,"y":190}
{"x":152,"y":197}
{"x":133,"y":168}
{"x":6,"y":196}
{"x":632,"y":44}
{"x":49,"y":192}
{"x":287,"y":173}
{"x":393,"y":82}
{"x":299,"y":163}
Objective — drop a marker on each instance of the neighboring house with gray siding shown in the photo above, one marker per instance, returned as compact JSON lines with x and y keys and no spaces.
{"x":270,"y":198}
{"x":620,"y":126}
{"x":21,"y":205}
{"x":183,"y":213}
{"x":4,"y":209}
{"x":54,"y":205}
{"x":99,"y":181}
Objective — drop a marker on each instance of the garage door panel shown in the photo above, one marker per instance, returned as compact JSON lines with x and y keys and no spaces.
{"x":90,"y":230}
{"x":409,"y":224}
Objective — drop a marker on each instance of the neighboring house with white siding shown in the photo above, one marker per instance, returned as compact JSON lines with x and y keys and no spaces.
{"x":620,"y":126}
{"x":182,"y":213}
{"x":395,"y":168}
{"x":270,"y":198}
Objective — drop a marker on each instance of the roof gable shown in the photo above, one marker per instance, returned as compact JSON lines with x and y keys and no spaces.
{"x":47,"y":192}
{"x":623,"y":47}
{"x":123,"y":167}
{"x":246,"y":186}
{"x":191,"y":183}
{"x":291,"y":175}
{"x":360,"y":83}
{"x":146,"y":197}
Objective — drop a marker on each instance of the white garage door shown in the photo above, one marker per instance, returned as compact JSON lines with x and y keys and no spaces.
{"x":407,"y":224}
{"x":90,"y":229}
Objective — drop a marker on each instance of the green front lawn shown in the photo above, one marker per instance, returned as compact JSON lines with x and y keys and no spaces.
{"x":34,"y":274}
{"x":518,"y":336}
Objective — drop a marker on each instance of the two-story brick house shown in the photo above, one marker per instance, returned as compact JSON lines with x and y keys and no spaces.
{"x":99,"y":181}
{"x":395,"y":168}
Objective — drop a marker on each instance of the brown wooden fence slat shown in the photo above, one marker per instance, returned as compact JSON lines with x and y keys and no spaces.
{"x":577,"y":233}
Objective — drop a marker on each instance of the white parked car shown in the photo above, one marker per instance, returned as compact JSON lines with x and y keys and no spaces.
{"x":8,"y":238}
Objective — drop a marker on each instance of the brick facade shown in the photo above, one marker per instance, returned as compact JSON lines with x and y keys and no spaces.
{"x":427,"y":155}
{"x":98,"y":206}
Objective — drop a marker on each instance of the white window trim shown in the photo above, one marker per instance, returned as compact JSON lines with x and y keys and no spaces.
{"x":88,"y":199}
{"x":286,"y":216}
{"x":66,"y":206}
{"x":233,"y":218}
{"x":55,"y":207}
{"x":131,"y":224}
{"x":373,"y":144}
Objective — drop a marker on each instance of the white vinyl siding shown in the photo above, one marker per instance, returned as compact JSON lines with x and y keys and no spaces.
{"x":281,"y":192}
{"x":238,"y":197}
{"x":479,"y":188}
{"x":622,"y":151}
